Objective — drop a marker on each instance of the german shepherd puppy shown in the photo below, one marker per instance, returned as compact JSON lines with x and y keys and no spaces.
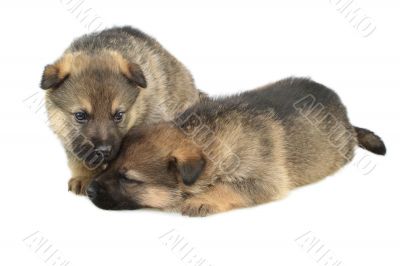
{"x":104,"y":84}
{"x":234,"y":152}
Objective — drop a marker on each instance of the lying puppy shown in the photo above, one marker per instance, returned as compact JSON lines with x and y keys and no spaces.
{"x":234,"y":152}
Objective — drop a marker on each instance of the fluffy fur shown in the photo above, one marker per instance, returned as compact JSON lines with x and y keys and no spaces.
{"x":118,"y":72}
{"x":233,"y":152}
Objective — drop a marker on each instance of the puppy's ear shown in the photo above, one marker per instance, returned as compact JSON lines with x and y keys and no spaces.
{"x":54,"y":75}
{"x":189,"y":164}
{"x":135,"y":75}
{"x":131,"y":71}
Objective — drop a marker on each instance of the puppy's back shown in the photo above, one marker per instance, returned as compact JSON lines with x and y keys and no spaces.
{"x":118,"y":38}
{"x":318,"y":138}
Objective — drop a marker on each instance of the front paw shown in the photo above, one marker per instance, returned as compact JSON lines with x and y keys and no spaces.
{"x":195,"y":208}
{"x":78,"y":185}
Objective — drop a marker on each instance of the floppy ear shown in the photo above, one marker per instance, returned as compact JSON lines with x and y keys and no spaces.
{"x":135,"y":75}
{"x":189,"y":164}
{"x":53,"y":77}
{"x":131,"y":71}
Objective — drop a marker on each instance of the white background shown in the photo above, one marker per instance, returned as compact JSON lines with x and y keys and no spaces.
{"x":229,"y":46}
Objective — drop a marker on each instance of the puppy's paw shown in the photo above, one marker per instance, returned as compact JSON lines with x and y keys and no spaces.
{"x":78,"y":185}
{"x":196,"y":208}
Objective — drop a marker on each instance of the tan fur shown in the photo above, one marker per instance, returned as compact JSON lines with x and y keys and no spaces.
{"x":218,"y":198}
{"x":232,"y":152}
{"x":96,"y":85}
{"x":156,"y":197}
{"x":255,"y":180}
{"x":85,"y":103}
{"x":186,"y":153}
{"x":135,"y":175}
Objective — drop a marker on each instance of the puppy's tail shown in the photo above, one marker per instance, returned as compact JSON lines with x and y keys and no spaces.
{"x":369,"y":141}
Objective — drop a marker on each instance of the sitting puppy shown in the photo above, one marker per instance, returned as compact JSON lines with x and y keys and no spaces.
{"x":104,"y":84}
{"x":234,"y":152}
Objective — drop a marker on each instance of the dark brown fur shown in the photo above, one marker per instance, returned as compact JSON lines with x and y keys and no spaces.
{"x":232,"y":152}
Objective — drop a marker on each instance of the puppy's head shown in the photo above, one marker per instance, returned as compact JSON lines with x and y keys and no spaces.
{"x":156,"y":168}
{"x":93,"y":95}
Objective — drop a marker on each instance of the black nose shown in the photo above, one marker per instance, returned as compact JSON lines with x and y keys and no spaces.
{"x":105,"y":150}
{"x":94,"y":190}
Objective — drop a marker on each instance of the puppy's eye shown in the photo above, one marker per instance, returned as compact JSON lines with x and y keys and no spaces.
{"x":124,"y":179}
{"x":119,"y":116}
{"x":81,"y":117}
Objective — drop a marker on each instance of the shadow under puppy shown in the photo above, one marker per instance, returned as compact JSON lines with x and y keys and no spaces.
{"x":234,"y":151}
